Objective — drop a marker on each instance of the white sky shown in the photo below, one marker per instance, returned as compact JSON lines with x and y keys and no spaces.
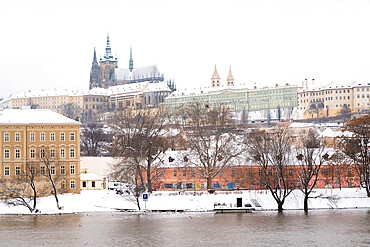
{"x":49,"y":44}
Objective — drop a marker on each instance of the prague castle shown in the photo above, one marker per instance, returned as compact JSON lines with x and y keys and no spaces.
{"x":106,"y":72}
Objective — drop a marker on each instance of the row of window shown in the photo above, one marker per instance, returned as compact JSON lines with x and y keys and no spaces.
{"x":17,"y":137}
{"x":41,"y":172}
{"x":260,"y":172}
{"x":52,"y":153}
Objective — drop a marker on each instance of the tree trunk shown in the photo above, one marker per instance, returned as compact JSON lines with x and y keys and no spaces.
{"x":138,"y":203}
{"x":209,"y":183}
{"x":280,"y":207}
{"x":305,"y":203}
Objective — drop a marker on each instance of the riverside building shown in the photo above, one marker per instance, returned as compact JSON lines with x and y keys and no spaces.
{"x":28,"y":136}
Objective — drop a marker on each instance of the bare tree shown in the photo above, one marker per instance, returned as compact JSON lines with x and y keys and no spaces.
{"x":212,"y":144}
{"x":71,"y":110}
{"x":310,"y":157}
{"x":272,"y":153}
{"x":139,"y":143}
{"x":21,"y":189}
{"x":355,"y":146}
{"x":93,"y":140}
{"x":51,"y":168}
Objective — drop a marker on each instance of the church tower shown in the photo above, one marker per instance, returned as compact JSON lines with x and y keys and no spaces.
{"x":230,"y":78}
{"x":107,"y":65}
{"x":94,"y":73}
{"x":131,"y":62}
{"x":215,"y":78}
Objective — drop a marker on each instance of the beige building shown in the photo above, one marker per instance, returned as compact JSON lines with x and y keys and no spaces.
{"x":29,"y":137}
{"x":319,"y":100}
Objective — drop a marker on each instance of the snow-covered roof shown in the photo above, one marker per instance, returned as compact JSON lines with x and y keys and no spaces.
{"x":206,"y":90}
{"x":90,"y":177}
{"x":121,"y":74}
{"x":334,"y":85}
{"x":127,"y":88}
{"x":33,"y":116}
{"x":54,"y":92}
{"x":159,"y":86}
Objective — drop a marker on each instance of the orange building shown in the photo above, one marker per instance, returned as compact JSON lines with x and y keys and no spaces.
{"x":248,"y":177}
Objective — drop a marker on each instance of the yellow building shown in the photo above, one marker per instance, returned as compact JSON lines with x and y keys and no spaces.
{"x":33,"y":140}
{"x":333,"y":99}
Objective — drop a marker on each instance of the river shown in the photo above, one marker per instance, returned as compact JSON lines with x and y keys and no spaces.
{"x":291,"y":228}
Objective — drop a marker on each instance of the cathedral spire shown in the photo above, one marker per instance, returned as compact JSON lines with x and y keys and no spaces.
{"x":215,"y":78}
{"x":230,"y":78}
{"x":94,"y":59}
{"x":131,"y":62}
{"x":108,"y":48}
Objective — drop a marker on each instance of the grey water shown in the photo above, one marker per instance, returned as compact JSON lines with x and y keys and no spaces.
{"x":291,"y":228}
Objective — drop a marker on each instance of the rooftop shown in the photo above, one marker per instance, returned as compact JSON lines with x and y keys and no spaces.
{"x":33,"y":116}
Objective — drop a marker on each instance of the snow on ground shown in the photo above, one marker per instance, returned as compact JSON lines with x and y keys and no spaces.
{"x":104,"y":200}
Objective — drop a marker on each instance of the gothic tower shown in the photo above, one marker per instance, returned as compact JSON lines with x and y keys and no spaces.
{"x":107,"y":65}
{"x":131,"y":62}
{"x":94,"y":73}
{"x":230,"y":78}
{"x":215,"y":78}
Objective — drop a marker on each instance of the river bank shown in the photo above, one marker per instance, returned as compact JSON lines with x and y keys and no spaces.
{"x":106,"y":201}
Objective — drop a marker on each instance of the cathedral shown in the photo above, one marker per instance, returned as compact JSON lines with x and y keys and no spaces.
{"x":106,"y":73}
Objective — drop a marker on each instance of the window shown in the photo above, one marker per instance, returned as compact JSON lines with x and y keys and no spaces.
{"x":42,"y":137}
{"x":270,"y":172}
{"x":93,"y":184}
{"x":17,"y":153}
{"x":250,"y":173}
{"x":62,"y":170}
{"x":32,"y":153}
{"x":62,"y":153}
{"x":52,"y":170}
{"x":162,"y":174}
{"x":62,"y":137}
{"x":42,"y":170}
{"x":32,"y":137}
{"x":290,"y":172}
{"x":6,"y":171}
{"x":33,"y":170}
{"x":260,"y":172}
{"x":233,"y":173}
{"x":72,"y":169}
{"x":17,"y":137}
{"x":52,"y":153}
{"x":71,"y":136}
{"x":193,"y":174}
{"x":6,"y":154}
{"x":326,"y":171}
{"x":174,"y":173}
{"x":52,"y":137}
{"x":337,"y":171}
{"x":84,"y":184}
{"x":17,"y":170}
{"x":349,"y":170}
{"x":72,"y":153}
{"x":42,"y":153}
{"x":184,"y":173}
{"x":6,"y":137}
{"x":72,"y":184}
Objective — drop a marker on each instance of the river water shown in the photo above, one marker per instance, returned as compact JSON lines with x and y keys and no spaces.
{"x":291,"y":228}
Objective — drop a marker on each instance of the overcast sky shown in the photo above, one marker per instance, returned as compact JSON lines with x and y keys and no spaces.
{"x":49,"y":44}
